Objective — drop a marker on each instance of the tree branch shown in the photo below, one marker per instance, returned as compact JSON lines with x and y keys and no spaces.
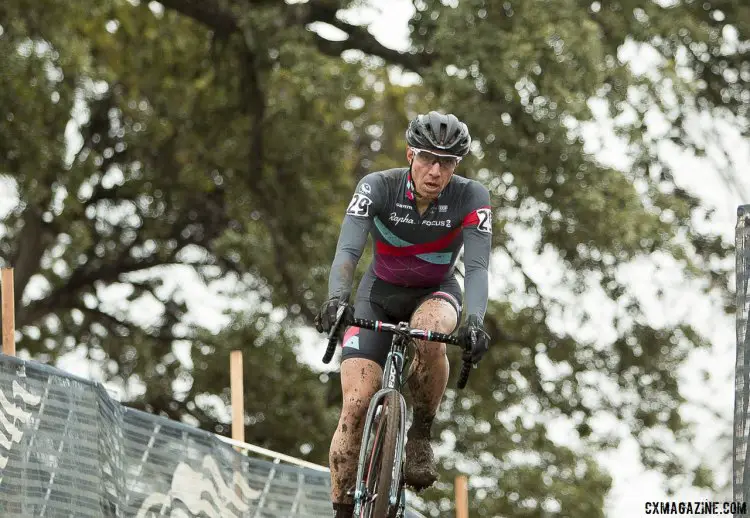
{"x":207,"y":12}
{"x":32,"y":242}
{"x":65,"y":297}
{"x":359,"y":38}
{"x":211,"y":14}
{"x":110,"y":322}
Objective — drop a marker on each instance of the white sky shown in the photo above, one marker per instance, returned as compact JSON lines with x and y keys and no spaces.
{"x":632,"y":485}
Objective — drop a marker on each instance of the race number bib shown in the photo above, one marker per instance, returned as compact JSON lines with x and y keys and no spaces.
{"x":485,"y":220}
{"x":359,"y":206}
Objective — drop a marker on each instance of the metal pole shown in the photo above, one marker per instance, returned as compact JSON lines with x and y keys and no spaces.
{"x":242,"y":446}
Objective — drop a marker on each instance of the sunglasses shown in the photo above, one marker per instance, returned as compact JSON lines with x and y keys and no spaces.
{"x":429,"y":158}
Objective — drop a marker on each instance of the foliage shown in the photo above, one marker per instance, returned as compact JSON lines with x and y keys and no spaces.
{"x":226,"y":136}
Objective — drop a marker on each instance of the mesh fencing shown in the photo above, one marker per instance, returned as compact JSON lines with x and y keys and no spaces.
{"x":68,"y":449}
{"x":741,"y":467}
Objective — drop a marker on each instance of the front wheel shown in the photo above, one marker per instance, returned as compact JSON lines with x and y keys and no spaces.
{"x":380,"y":460}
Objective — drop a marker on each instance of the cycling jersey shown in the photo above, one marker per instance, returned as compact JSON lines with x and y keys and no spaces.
{"x":413,"y":250}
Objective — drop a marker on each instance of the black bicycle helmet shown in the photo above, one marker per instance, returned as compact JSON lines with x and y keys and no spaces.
{"x":440,"y":132}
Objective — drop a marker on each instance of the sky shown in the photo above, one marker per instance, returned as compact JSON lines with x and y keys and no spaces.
{"x":632,"y":486}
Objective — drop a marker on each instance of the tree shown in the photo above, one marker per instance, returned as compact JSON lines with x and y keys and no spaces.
{"x":226,"y":136}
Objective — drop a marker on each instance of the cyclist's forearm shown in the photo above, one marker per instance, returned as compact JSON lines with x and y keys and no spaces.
{"x":349,"y":249}
{"x":478,"y":246}
{"x":476,"y":291}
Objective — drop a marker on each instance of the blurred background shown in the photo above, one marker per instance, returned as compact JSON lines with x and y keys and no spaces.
{"x":173,"y":176}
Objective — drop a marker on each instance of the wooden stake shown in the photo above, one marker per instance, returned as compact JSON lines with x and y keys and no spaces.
{"x":9,"y":313}
{"x":462,"y":497}
{"x":238,"y":402}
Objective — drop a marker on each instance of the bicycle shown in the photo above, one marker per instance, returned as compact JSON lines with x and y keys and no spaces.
{"x":381,"y":457}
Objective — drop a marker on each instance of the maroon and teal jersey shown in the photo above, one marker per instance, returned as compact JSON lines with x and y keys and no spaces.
{"x":414,"y":250}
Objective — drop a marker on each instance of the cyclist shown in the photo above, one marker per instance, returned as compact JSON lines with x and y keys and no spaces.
{"x":420,"y":217}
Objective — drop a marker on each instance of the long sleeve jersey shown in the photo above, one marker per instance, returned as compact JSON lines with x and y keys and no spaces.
{"x":414,"y":250}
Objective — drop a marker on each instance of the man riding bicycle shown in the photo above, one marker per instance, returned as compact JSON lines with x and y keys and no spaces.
{"x":420,"y":218}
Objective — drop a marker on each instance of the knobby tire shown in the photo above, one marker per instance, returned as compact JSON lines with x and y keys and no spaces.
{"x":387,"y":454}
{"x":371,"y":473}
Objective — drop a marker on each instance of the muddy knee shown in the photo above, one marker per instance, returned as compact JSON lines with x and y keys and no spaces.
{"x":435,"y":315}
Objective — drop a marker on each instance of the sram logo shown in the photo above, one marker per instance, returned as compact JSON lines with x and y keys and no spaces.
{"x":485,"y":220}
{"x":359,"y":206}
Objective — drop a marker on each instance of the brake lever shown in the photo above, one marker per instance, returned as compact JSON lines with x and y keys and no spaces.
{"x":337,"y":325}
{"x":333,"y":334}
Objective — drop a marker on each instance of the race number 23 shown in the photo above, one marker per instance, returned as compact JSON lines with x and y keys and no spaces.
{"x":485,"y":220}
{"x":359,"y":206}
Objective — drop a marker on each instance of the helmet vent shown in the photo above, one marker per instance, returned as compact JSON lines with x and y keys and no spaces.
{"x":443,"y":132}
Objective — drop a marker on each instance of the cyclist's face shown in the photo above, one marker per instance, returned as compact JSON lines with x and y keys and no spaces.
{"x":430,"y":171}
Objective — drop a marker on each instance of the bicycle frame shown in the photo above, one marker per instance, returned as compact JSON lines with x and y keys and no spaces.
{"x":394,"y":377}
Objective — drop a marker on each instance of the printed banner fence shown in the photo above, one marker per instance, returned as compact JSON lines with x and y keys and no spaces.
{"x":69,"y":450}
